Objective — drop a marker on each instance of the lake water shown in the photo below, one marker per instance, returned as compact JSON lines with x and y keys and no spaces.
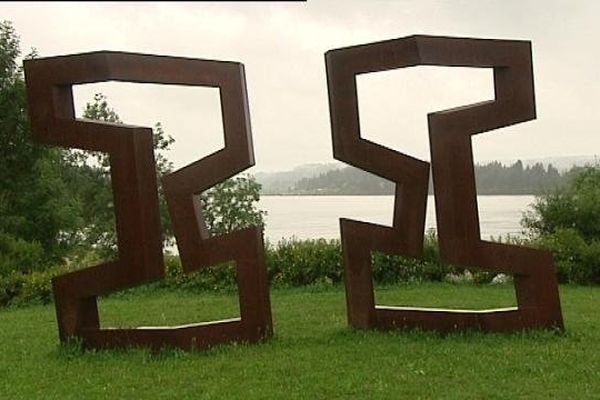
{"x":318,"y":216}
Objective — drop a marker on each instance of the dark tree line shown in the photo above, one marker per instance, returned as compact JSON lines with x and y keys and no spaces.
{"x":492,"y":178}
{"x":495,"y":178}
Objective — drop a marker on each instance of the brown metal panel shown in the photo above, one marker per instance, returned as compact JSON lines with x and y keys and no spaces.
{"x":130,"y":148}
{"x":450,"y":134}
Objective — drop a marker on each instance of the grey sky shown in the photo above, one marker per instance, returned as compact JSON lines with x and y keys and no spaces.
{"x":282,"y":47}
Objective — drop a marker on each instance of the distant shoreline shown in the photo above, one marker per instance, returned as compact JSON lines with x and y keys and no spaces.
{"x":492,"y":179}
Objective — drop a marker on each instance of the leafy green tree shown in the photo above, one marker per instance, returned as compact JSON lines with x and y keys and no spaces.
{"x":90,"y":180}
{"x":35,"y":206}
{"x":231,"y":205}
{"x":567,"y":222}
{"x":575,"y":206}
{"x":228,"y":206}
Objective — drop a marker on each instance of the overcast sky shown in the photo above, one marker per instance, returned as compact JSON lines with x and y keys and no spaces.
{"x":282,"y":47}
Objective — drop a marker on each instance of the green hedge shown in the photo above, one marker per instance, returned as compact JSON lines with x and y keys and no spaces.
{"x":318,"y":262}
{"x":577,"y":260}
{"x":290,"y":263}
{"x":18,"y":288}
{"x":313,"y":262}
{"x":19,"y":254}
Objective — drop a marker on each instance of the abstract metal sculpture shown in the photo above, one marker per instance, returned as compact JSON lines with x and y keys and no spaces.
{"x":454,"y":185}
{"x":140,"y":259}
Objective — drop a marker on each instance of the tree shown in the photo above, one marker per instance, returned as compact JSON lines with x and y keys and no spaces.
{"x":228,"y":206}
{"x":90,"y":181}
{"x":35,"y":206}
{"x":566,"y":221}
{"x":575,"y":206}
{"x":54,"y":201}
{"x":231,"y":205}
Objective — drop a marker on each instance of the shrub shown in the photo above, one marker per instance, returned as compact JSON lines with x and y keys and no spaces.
{"x":19,"y":255}
{"x":289,"y":263}
{"x":577,"y":260}
{"x":576,"y":206}
{"x":220,"y":277}
{"x":483,"y":277}
{"x":304,"y":262}
{"x":566,"y":223}
{"x":293,"y":262}
{"x":23,"y":288}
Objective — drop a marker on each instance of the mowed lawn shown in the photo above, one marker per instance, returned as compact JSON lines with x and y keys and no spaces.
{"x":314,"y":355}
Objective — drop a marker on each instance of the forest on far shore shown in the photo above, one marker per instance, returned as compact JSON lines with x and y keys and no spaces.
{"x":493,"y":178}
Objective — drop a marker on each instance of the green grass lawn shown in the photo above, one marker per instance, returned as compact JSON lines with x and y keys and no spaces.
{"x":314,"y":355}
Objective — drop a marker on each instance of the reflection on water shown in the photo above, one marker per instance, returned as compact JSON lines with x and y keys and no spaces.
{"x":318,"y":216}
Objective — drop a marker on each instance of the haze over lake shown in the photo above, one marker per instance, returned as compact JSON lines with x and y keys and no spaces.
{"x":318,"y":216}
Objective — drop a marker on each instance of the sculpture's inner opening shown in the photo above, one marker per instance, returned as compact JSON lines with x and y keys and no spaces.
{"x":217,"y":301}
{"x":191,"y":115}
{"x":393,"y":108}
{"x":393,"y":105}
{"x":484,"y":290}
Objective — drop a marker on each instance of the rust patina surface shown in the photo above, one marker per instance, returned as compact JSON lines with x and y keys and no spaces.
{"x":140,"y":258}
{"x":450,"y":132}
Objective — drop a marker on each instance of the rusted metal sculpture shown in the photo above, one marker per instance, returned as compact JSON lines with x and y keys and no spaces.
{"x":450,"y":134}
{"x":49,"y":89}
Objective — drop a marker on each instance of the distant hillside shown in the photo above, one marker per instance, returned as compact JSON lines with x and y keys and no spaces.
{"x":283,"y":181}
{"x":520,"y":177}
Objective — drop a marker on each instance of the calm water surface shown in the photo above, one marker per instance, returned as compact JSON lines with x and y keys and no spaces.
{"x":318,"y":216}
